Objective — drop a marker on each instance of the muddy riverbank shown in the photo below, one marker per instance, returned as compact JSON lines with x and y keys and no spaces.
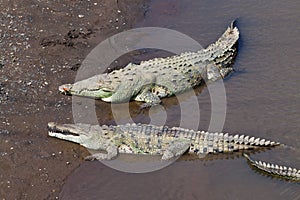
{"x":42,"y":44}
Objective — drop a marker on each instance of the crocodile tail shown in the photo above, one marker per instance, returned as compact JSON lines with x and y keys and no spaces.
{"x":288,"y":173}
{"x":206,"y":142}
{"x":224,"y":50}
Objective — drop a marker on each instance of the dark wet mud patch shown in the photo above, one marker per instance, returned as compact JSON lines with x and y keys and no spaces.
{"x":41,"y":46}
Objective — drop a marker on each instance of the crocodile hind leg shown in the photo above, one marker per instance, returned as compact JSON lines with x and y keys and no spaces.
{"x":112,"y":152}
{"x":214,"y":73}
{"x":202,"y":155}
{"x":176,"y":148}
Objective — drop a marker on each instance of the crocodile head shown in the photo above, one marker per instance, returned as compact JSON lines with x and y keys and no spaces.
{"x":89,"y":136}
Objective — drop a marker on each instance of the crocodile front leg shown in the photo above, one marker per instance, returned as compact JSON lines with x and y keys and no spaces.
{"x":112,"y":152}
{"x":148,"y":97}
{"x":176,"y":148}
{"x":131,"y":88}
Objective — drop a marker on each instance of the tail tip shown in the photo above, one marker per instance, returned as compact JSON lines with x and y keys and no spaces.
{"x":233,"y":23}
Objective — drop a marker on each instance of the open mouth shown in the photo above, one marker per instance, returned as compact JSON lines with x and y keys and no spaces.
{"x":53,"y":128}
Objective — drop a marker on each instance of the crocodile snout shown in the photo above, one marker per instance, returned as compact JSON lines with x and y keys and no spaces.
{"x":65,"y":88}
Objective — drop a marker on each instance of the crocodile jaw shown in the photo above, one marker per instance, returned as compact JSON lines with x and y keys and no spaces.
{"x":102,"y":93}
{"x":73,"y":129}
{"x":72,"y":132}
{"x":89,"y":136}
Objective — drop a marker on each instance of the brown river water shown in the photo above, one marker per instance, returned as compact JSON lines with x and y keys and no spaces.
{"x":263,"y":99}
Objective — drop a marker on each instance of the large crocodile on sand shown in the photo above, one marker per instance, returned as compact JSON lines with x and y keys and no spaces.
{"x":154,"y":79}
{"x":162,"y":140}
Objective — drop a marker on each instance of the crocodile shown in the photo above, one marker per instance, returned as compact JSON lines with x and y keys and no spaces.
{"x":148,"y":139}
{"x":154,"y":79}
{"x":169,"y":143}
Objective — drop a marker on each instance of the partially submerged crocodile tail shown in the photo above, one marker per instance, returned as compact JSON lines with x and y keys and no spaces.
{"x":284,"y":172}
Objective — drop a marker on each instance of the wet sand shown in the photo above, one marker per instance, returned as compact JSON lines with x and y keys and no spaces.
{"x":42,"y":45}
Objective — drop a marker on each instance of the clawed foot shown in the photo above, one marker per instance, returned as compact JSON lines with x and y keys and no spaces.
{"x":175,"y":149}
{"x":148,"y":105}
{"x":97,"y":156}
{"x":112,"y":152}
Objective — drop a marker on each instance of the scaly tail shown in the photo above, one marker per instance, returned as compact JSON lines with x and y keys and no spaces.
{"x":288,"y":173}
{"x":223,"y":52}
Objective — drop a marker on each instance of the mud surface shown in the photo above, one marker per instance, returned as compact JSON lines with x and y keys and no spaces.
{"x":42,"y":44}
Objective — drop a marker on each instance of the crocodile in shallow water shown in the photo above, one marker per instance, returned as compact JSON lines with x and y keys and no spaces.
{"x":154,"y":79}
{"x":152,"y":140}
{"x":167,"y":142}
